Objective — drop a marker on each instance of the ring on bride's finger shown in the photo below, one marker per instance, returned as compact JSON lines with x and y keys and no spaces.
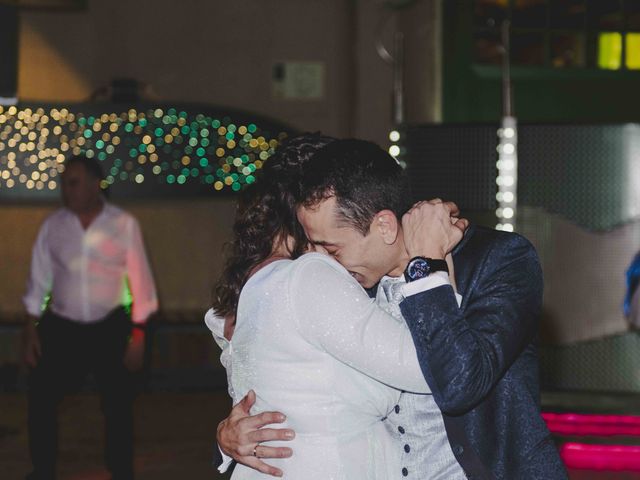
{"x":255,"y":453}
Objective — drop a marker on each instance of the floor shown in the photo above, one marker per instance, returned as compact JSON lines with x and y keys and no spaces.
{"x":175,"y":433}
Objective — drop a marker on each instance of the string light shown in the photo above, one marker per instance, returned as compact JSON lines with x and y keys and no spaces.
{"x":35,"y":140}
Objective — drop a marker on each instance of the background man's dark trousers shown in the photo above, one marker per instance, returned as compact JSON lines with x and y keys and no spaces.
{"x":70,"y":351}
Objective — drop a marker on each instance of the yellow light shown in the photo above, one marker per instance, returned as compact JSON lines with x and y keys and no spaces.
{"x":218,"y":185}
{"x":632,"y":49}
{"x":610,"y":50}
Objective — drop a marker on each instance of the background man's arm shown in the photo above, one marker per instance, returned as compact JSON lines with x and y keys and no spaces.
{"x":143,"y":291}
{"x":38,"y":287}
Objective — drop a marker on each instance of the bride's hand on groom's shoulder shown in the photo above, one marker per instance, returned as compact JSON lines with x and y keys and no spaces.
{"x":432,"y":228}
{"x":241,"y":434}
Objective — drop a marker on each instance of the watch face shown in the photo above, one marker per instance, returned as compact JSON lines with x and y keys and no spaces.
{"x":418,"y":268}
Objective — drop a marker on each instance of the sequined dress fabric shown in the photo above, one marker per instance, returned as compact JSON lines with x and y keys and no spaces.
{"x":312,"y":344}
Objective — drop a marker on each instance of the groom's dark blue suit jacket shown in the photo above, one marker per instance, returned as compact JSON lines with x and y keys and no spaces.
{"x":480,"y":360}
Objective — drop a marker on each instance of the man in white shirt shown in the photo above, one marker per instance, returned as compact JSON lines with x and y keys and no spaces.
{"x":86,"y":257}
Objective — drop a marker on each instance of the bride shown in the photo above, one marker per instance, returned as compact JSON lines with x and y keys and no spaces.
{"x":299,"y":330}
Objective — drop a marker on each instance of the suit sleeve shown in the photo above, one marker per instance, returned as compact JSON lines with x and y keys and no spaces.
{"x":464,"y":352}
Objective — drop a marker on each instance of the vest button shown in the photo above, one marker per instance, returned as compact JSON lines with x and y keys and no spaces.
{"x":405,"y":472}
{"x":397,"y":408}
{"x":401,"y":430}
{"x":407,"y":448}
{"x":458,"y":450}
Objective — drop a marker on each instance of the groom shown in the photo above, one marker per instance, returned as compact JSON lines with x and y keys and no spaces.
{"x":479,"y":358}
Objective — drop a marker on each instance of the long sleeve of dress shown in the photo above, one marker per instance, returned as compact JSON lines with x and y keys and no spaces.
{"x":335,"y":314}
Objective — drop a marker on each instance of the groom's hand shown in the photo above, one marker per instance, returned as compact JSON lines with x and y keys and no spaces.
{"x":240,"y":436}
{"x":432,"y":228}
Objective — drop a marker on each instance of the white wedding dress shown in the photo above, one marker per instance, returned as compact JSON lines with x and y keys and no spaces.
{"x":313,"y":345}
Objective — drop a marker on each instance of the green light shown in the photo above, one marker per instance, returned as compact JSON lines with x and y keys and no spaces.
{"x":127,"y":298}
{"x":82,"y":121}
{"x":215,"y":124}
{"x":195,"y":172}
{"x":182,"y":114}
{"x":182,"y":179}
{"x":133,"y":153}
{"x":188,"y":150}
{"x":204,"y":162}
{"x":204,"y":132}
{"x":142,"y":122}
{"x":102,"y":156}
{"x":236,"y":186}
{"x":87,"y":133}
{"x":185,"y":129}
{"x":250,"y":179}
{"x":99,"y":144}
{"x":117,"y":162}
{"x":128,"y":127}
{"x":123,"y":176}
{"x":171,"y":179}
{"x":113,"y":171}
{"x":220,"y":173}
{"x":171,"y":111}
{"x":209,"y":178}
{"x":252,"y":128}
{"x":185,"y":172}
{"x":159,"y":132}
{"x":193,"y":142}
{"x":235,"y":177}
{"x":142,"y":148}
{"x":204,"y":142}
{"x":229,"y":136}
{"x":91,"y":120}
{"x":200,"y":152}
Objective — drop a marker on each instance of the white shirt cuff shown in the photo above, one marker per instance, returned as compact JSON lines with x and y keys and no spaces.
{"x":435,"y":280}
{"x":226,"y":461}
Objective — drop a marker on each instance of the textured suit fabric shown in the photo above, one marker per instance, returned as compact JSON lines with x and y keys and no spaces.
{"x":480,"y":360}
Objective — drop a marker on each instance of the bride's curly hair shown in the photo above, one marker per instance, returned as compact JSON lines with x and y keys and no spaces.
{"x":266,"y":213}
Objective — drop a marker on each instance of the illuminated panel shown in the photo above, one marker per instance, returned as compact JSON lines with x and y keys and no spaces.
{"x":154,"y":150}
{"x":632,"y":49}
{"x":610,"y":50}
{"x":601,"y":457}
{"x":575,"y":424}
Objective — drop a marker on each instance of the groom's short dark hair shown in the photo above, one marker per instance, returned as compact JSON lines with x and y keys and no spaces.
{"x":362,"y":177}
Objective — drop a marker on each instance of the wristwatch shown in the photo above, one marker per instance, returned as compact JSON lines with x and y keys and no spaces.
{"x":421,"y":267}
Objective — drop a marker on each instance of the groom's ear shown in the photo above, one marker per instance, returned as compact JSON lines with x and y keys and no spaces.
{"x":386,"y":225}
